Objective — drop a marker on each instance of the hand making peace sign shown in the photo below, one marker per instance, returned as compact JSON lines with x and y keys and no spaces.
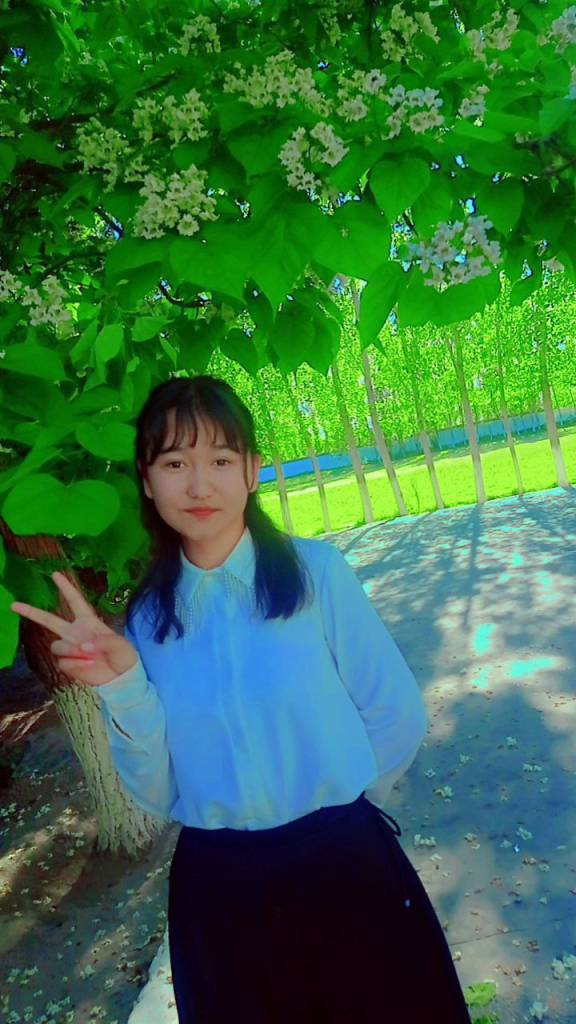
{"x":112,"y":654}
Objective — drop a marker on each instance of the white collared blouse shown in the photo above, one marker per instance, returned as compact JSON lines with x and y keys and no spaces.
{"x":247,"y":723}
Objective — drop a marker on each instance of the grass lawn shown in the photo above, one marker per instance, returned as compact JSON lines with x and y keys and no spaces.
{"x":455,"y":476}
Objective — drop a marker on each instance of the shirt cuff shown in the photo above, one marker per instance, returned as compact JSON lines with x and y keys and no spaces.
{"x":127,"y":689}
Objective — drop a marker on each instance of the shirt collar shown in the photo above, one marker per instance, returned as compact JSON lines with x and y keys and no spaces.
{"x":241,"y":563}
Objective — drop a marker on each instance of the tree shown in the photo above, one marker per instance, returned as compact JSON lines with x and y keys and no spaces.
{"x":165,"y":176}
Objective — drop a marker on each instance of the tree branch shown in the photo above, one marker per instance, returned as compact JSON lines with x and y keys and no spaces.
{"x":196,"y":304}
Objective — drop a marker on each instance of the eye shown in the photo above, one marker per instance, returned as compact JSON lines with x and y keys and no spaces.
{"x":177,"y":462}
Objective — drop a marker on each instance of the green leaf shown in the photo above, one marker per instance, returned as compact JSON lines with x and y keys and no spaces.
{"x":356,"y":240}
{"x":477,"y":133}
{"x":227,"y":173}
{"x":108,"y":343}
{"x":434,"y":205}
{"x":507,"y":123}
{"x":544,"y":211}
{"x":258,"y":151}
{"x":122,"y":204}
{"x":111,"y":441}
{"x":138,"y":284}
{"x":187,"y":153}
{"x":554,"y":114}
{"x":80,"y":351}
{"x":281,"y":247}
{"x":460,"y":301}
{"x":417,"y":303}
{"x":502,"y":158}
{"x":129,"y":253}
{"x":525,"y":287}
{"x":9,"y":628}
{"x":147,"y":327}
{"x":292,"y":337}
{"x":422,"y":303}
{"x":501,"y":202}
{"x":232,"y":112}
{"x":197,"y":341}
{"x":42,"y":504}
{"x":34,"y":361}
{"x":327,"y":340}
{"x":221,"y":263}
{"x":461,"y":71}
{"x":35,"y":146}
{"x":7,"y":161}
{"x":264,"y":194}
{"x":397,"y":183}
{"x":359,"y":159}
{"x":9,"y":318}
{"x":378,"y":298}
{"x":237,"y":345}
{"x":481,"y":994}
{"x":514,"y":261}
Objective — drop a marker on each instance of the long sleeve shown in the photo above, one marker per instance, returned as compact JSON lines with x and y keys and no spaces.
{"x":374,"y":673}
{"x":136,"y":726}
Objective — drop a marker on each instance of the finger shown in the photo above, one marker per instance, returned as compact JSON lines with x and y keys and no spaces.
{"x":64,"y":649}
{"x":70,"y":664}
{"x":47,"y":619}
{"x":75,"y":598}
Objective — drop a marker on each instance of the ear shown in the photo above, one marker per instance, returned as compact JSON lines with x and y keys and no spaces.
{"x":145,"y":483}
{"x":255,"y":466}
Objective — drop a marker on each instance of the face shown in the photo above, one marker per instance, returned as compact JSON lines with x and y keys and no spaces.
{"x":199,"y":476}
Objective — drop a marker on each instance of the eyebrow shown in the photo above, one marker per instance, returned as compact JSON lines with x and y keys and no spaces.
{"x":220,"y":447}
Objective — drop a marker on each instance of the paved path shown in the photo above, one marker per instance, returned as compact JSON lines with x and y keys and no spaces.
{"x":482,"y":603}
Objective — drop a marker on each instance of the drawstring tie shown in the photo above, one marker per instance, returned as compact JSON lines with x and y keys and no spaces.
{"x":397,"y":831}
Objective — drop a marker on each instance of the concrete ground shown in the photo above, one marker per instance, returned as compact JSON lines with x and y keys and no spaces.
{"x":482,"y":603}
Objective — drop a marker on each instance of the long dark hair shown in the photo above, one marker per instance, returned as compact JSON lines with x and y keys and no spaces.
{"x":283,"y":581}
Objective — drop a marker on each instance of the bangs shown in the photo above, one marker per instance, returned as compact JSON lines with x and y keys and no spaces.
{"x":186,"y":420}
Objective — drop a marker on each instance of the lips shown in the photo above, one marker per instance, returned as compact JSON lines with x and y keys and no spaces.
{"x":201,"y":511}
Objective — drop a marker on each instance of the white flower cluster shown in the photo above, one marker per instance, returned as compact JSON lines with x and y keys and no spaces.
{"x":473,"y":105}
{"x":279,"y":81}
{"x":102,"y":148}
{"x":563,"y":29}
{"x":200,"y":30}
{"x":402,"y":24}
{"x":441,"y":252}
{"x":181,"y":118}
{"x":292,"y":152}
{"x":106,"y":150}
{"x":331,"y":27}
{"x":492,"y":35}
{"x":184,"y":204}
{"x":45,"y":309}
{"x":419,"y":122}
{"x":351,"y":106}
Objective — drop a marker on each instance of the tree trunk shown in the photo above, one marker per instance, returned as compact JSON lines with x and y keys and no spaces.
{"x":424,"y":436}
{"x":381,"y":446}
{"x":504,"y":405}
{"x":268,"y":422}
{"x":292,"y":392}
{"x":558,"y":457}
{"x":457,"y":360}
{"x":351,"y":444}
{"x":122,"y":824}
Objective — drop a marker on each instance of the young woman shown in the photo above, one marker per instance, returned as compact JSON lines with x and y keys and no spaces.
{"x":256,"y":697}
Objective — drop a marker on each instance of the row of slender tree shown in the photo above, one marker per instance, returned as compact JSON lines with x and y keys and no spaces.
{"x":426,"y":379}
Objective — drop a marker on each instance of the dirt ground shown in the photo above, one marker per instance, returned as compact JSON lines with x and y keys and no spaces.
{"x":78,"y":928}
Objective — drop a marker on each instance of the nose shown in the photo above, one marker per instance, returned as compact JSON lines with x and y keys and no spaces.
{"x":199,"y":490}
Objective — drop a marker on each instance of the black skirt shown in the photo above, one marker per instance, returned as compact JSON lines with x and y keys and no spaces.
{"x":323,"y":920}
